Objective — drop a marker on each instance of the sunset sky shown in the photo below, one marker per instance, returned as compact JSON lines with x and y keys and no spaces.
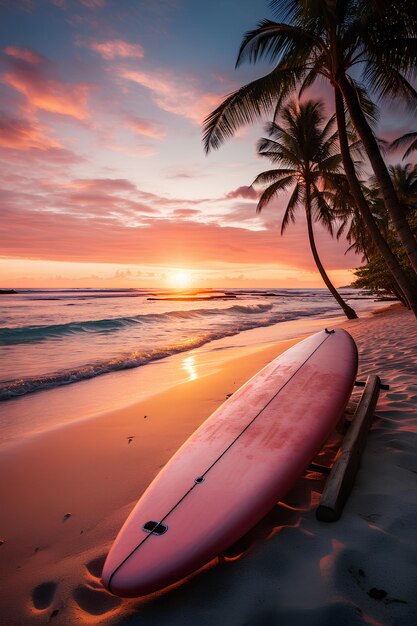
{"x":104,"y":179}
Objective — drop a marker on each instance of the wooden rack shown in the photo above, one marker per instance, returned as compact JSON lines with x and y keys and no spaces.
{"x":341,"y":475}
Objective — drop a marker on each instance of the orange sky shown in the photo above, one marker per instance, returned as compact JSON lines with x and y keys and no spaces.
{"x":104,"y":177}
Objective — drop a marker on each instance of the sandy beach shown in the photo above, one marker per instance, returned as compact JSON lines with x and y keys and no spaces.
{"x":65,"y":492}
{"x":189,"y":190}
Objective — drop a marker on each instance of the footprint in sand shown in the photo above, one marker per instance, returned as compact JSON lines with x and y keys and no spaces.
{"x":43,"y":594}
{"x":95,"y":601}
{"x":95,"y":567}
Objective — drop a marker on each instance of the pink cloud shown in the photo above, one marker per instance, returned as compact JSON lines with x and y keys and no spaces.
{"x":57,"y":157}
{"x":245,"y":214}
{"x":94,"y":226}
{"x":117,"y":48}
{"x":24,"y":54}
{"x":185,"y":212}
{"x":44,"y":169}
{"x":119,"y":186}
{"x":109,"y":185}
{"x":174,"y":94}
{"x":184,"y":174}
{"x":45,"y":93}
{"x":21,"y":134}
{"x":145,"y":127}
{"x":246,"y":192}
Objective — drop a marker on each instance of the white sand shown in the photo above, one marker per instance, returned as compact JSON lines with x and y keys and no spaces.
{"x":290,"y":570}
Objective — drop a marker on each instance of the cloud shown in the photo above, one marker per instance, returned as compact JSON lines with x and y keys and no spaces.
{"x":117,"y":48}
{"x":45,"y":93}
{"x":105,"y":199}
{"x":55,"y":156}
{"x":185,"y":212}
{"x":21,"y":134}
{"x":109,"y":185}
{"x":24,"y":148}
{"x":174,"y":94}
{"x":145,"y":127}
{"x":182,"y":174}
{"x":244,"y":214}
{"x":246,"y":192}
{"x":101,"y":227}
{"x":24,"y":54}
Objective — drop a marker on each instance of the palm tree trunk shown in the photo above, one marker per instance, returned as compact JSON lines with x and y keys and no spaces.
{"x":397,"y":293}
{"x":348,"y":311}
{"x":388,"y":192}
{"x":395,"y":268}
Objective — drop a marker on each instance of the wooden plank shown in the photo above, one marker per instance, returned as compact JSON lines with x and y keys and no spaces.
{"x":362,"y":383}
{"x":345,"y":467}
{"x":320,"y":469}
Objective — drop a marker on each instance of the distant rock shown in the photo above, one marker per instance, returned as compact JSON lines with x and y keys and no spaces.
{"x":6,"y":292}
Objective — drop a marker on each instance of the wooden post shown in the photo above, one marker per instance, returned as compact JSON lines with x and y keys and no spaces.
{"x":345,"y":467}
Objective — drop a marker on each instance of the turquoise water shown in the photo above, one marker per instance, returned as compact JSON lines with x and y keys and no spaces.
{"x":55,"y":337}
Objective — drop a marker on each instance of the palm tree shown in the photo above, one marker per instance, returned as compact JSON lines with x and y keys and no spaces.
{"x":327,"y":39}
{"x":408,"y":138}
{"x":399,"y":277}
{"x":352,"y":225}
{"x":404,"y":178}
{"x":305,"y":148}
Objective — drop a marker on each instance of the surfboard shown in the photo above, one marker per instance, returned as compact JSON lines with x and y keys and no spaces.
{"x":235,"y":467}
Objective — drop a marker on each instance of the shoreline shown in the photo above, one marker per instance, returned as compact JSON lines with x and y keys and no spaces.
{"x":74,"y":484}
{"x":37,"y":412}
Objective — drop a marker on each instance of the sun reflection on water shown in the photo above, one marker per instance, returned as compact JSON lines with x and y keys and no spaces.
{"x":189,"y":366}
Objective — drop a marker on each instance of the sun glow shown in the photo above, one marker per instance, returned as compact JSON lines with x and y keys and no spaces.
{"x":180,"y":279}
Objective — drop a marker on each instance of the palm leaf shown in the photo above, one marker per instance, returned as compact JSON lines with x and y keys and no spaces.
{"x":387,"y":82}
{"x":403,"y":140}
{"x":270,"y":176}
{"x":291,"y":206}
{"x":272,"y":190}
{"x":272,"y":40}
{"x":248,"y":104}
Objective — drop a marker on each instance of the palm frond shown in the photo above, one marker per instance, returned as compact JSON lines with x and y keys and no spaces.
{"x":331,"y":163}
{"x":272,"y":190}
{"x":271,"y":176}
{"x":322,"y":211}
{"x":289,"y":214}
{"x":369,"y":108}
{"x":272,"y":40}
{"x":248,"y":104}
{"x":387,"y":81}
{"x":404,"y":140}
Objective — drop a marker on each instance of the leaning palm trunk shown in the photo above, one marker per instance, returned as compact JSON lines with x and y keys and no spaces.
{"x":391,"y":261}
{"x":395,"y":268}
{"x":398,"y":294}
{"x":348,"y":311}
{"x":381,"y":172}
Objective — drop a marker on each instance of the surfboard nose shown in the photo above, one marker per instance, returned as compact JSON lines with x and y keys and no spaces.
{"x":130,"y":582}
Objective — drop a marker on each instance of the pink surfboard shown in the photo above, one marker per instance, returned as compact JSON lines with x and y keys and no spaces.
{"x":235,"y":467}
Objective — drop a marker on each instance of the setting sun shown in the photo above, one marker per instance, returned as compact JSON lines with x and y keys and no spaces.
{"x":180,"y":279}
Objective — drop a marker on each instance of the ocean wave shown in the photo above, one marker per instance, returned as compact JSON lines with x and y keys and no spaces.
{"x":12,"y":389}
{"x":34,"y":334}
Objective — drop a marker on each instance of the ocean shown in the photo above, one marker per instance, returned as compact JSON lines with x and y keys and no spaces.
{"x":53,"y":337}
